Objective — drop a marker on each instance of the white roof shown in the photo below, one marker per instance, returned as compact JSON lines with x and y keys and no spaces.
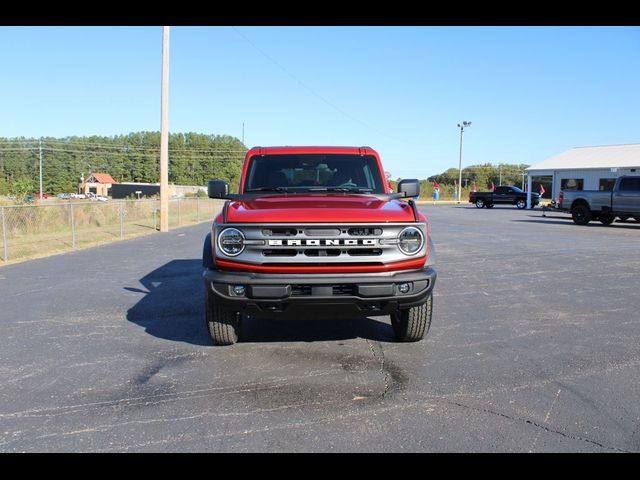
{"x":603,"y":156}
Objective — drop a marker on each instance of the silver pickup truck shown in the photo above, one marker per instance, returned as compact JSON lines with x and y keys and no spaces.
{"x":586,"y":205}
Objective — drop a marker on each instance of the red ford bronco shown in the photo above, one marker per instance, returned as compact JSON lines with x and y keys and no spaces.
{"x":317,"y":229}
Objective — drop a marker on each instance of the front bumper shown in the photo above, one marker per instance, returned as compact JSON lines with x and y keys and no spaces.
{"x":279,"y":294}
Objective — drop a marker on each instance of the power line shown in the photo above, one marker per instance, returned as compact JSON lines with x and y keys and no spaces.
{"x":173,"y":159}
{"x":89,"y":152}
{"x":142,"y":150}
{"x":313,"y":92}
{"x":58,"y":143}
{"x":134,"y":147}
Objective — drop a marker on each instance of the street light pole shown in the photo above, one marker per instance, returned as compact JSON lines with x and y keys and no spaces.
{"x":461,"y":127}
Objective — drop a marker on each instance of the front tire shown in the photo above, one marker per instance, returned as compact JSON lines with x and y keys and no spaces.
{"x":223,"y":325}
{"x":581,"y":214}
{"x":412,"y":324}
{"x":521,"y":204}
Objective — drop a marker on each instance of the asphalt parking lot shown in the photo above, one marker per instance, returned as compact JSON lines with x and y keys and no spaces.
{"x":534,"y":347}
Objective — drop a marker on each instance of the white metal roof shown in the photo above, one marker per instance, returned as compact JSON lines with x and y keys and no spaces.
{"x":603,"y":156}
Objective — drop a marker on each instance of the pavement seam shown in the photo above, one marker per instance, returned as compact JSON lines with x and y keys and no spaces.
{"x":546,"y":420}
{"x":535,"y":424}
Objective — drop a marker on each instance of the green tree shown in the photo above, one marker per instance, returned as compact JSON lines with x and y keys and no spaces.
{"x":194,"y":158}
{"x":20,"y":188}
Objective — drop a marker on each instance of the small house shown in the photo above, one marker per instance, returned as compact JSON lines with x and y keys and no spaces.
{"x":98,"y":183}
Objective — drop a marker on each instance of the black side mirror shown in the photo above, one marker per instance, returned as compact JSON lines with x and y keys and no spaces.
{"x":218,"y":189}
{"x":410,"y":187}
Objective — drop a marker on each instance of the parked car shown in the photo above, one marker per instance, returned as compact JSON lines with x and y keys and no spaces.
{"x":45,"y":195}
{"x":507,"y":194}
{"x":313,"y":229}
{"x":586,"y":205}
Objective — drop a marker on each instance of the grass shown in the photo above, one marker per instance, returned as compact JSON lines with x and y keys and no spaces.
{"x":36,"y":232}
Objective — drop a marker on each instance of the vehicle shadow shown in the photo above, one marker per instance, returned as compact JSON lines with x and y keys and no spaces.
{"x":172,"y":308}
{"x":261,"y":330}
{"x":568,"y":221}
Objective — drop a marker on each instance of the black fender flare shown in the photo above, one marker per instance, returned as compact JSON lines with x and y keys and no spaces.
{"x":207,"y":253}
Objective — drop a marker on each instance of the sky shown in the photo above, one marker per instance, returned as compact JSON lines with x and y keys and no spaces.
{"x":530,"y":92}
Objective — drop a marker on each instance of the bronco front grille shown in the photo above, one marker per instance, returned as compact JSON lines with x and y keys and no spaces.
{"x":320,"y":244}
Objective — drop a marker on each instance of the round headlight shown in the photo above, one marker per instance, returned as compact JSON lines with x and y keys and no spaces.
{"x":410,"y":240}
{"x":231,"y":242}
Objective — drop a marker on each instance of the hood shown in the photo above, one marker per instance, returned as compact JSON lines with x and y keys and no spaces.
{"x":320,"y":208}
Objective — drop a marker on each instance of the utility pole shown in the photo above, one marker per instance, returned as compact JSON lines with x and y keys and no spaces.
{"x":500,"y":170}
{"x":242,"y":133}
{"x":164,"y":134}
{"x":40,"y":157}
{"x":461,"y":127}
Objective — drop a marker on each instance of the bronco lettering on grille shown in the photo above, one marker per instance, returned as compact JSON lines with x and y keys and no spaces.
{"x":322,"y":243}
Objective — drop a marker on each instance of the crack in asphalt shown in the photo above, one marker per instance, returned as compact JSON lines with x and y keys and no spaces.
{"x":535,"y":424}
{"x":154,"y":399}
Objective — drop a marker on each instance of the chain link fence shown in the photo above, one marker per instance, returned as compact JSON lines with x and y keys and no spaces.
{"x":31,"y":231}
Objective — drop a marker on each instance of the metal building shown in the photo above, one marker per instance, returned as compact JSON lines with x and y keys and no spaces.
{"x":585,"y":168}
{"x":141,"y":190}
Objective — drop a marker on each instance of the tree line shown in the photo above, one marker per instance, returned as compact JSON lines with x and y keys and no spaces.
{"x":483,"y":175}
{"x":194,"y":158}
{"x":479,"y":177}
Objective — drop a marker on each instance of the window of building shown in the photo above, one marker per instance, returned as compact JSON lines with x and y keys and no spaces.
{"x":572,"y":184}
{"x":606,"y":184}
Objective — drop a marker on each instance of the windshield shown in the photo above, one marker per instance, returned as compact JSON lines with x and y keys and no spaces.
{"x":314,"y":173}
{"x":517,"y":190}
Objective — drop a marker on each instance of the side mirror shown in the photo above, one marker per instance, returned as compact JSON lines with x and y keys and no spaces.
{"x":218,"y":189}
{"x":410,"y":187}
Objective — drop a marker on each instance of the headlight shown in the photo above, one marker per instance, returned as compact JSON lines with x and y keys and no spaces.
{"x":231,"y":242}
{"x":410,"y":240}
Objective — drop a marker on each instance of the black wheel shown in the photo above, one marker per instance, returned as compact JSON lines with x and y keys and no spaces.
{"x":223,"y":325}
{"x":623,"y":219}
{"x":521,"y":204}
{"x":637,"y":219}
{"x":412,"y":324}
{"x":581,"y":214}
{"x":479,"y":203}
{"x":489,"y":205}
{"x":606,"y":219}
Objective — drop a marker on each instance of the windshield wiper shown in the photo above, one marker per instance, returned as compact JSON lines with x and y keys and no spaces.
{"x":341,"y":189}
{"x":267,"y":189}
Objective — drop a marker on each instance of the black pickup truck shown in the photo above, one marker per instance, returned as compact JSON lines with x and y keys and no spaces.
{"x":507,"y":194}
